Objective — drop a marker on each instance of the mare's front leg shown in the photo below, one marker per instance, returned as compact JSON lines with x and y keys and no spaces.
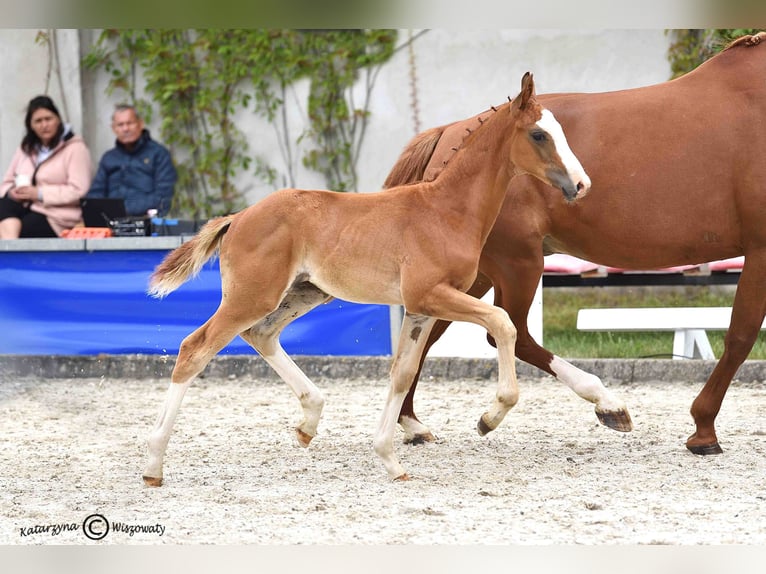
{"x":516,"y":279}
{"x":405,"y":366}
{"x":746,"y":318}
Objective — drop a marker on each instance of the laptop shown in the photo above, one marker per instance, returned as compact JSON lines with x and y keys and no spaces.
{"x":99,"y":211}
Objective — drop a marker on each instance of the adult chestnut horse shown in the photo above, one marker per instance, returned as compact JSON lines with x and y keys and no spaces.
{"x":415,"y":245}
{"x":679,"y":177}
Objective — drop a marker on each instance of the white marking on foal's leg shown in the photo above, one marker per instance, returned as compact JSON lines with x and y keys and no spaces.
{"x":383,"y":442}
{"x":412,"y":342}
{"x":158,"y":439}
{"x":590,"y":388}
{"x":310,"y":397}
{"x":507,"y":395}
{"x":549,"y":123}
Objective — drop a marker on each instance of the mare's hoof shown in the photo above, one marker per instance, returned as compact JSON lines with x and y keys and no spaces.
{"x":303,"y":438}
{"x":617,"y":420}
{"x":705,"y":449}
{"x":483,"y":427}
{"x":402,"y":477}
{"x":152,"y":481}
{"x":420,"y":438}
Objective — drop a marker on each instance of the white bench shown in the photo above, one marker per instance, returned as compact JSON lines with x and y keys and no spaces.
{"x":689,"y":324}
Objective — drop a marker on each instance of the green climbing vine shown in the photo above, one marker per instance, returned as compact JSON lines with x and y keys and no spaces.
{"x":199,"y":79}
{"x":689,"y":48}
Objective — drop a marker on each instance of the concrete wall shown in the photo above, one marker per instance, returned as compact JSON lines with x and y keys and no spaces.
{"x":457,"y":74}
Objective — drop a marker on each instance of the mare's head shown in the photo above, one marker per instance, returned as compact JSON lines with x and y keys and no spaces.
{"x":539,"y":147}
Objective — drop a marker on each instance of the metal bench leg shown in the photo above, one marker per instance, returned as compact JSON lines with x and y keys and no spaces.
{"x":692,"y":343}
{"x":680,"y":345}
{"x":702,"y":347}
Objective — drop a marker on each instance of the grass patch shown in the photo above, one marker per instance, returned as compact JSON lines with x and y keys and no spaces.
{"x":560,"y":334}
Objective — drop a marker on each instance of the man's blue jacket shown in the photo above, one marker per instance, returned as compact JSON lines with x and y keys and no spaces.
{"x":144,"y":177}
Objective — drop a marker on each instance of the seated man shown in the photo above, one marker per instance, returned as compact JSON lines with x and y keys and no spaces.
{"x":138,"y":169}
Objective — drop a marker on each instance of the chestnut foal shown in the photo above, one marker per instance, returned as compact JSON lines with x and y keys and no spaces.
{"x":414,"y":245}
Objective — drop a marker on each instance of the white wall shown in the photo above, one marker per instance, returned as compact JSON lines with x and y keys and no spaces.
{"x":458,"y":74}
{"x":29,"y":69}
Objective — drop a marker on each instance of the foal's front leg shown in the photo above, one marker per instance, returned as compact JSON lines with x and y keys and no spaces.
{"x":412,"y":342}
{"x":450,"y":304}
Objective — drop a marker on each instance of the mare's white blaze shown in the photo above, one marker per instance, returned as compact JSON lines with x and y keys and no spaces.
{"x":575,"y":170}
{"x":587,"y":386}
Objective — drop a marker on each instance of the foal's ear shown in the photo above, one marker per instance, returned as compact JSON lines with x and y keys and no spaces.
{"x":527,"y":91}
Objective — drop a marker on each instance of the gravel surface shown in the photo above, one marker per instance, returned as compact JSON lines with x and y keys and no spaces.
{"x":73,"y":449}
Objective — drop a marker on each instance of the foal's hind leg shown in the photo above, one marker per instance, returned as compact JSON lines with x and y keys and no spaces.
{"x":264,"y":338}
{"x":195,"y":353}
{"x":747,"y":316}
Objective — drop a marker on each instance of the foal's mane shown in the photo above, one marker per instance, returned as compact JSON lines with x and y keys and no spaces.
{"x":748,"y":40}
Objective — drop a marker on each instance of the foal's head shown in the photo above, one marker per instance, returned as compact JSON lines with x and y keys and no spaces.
{"x":539,"y":147}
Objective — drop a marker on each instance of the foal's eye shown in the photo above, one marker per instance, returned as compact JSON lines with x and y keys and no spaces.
{"x":539,"y":136}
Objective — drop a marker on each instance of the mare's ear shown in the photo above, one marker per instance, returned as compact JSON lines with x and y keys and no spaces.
{"x":527,"y":91}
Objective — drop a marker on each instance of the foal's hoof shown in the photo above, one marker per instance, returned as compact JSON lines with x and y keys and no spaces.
{"x":152,"y":481}
{"x":420,"y":438}
{"x":483,"y":427}
{"x":303,"y":438}
{"x":705,"y":449}
{"x":617,"y":420}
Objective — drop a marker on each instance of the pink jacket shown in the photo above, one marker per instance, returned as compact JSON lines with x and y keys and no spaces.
{"x":63,"y":179}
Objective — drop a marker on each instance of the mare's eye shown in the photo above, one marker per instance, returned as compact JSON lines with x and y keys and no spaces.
{"x":539,"y":136}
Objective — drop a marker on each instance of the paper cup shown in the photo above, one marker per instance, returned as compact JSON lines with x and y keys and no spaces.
{"x":23,"y":180}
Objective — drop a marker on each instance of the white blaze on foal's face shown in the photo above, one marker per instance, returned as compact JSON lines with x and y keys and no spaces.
{"x":551,"y":126}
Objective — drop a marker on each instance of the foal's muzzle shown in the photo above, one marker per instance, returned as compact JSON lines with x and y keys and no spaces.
{"x":571,"y":188}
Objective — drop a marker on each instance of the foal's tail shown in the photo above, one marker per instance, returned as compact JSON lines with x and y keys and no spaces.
{"x":412,"y":163}
{"x":187,"y":260}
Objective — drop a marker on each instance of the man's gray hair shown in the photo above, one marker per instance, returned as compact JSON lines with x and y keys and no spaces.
{"x":124,"y":108}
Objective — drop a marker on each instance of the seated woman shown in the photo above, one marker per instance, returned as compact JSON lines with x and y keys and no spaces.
{"x":48,"y":175}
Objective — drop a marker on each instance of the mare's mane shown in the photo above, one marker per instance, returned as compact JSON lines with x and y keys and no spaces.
{"x":411,"y":165}
{"x":747,"y":41}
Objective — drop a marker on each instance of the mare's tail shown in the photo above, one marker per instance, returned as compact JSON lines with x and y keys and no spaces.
{"x":412,"y":163}
{"x":187,"y":260}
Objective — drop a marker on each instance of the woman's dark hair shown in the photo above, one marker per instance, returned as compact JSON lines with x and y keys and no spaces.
{"x":30,"y":142}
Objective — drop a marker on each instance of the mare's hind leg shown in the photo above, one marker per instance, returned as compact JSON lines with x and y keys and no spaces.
{"x":516,"y":281}
{"x":415,"y":432}
{"x":264,"y":338}
{"x":747,"y":316}
{"x":195,"y":353}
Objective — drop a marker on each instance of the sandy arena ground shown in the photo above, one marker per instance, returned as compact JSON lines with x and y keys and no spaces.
{"x":550,"y":474}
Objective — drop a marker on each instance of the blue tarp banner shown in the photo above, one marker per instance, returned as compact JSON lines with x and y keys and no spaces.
{"x":92,"y":302}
